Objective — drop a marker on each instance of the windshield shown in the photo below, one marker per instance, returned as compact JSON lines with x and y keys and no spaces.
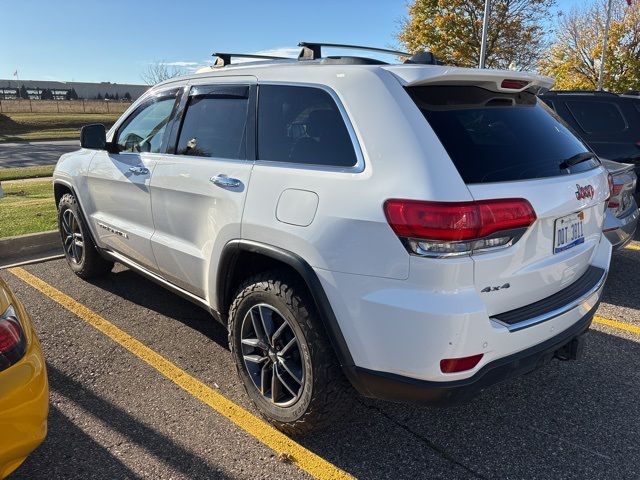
{"x":499,"y":137}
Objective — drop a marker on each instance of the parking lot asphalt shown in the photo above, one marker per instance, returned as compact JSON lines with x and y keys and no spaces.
{"x":114,"y":415}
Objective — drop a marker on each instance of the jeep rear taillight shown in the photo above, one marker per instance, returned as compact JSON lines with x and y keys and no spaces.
{"x":458,"y":228}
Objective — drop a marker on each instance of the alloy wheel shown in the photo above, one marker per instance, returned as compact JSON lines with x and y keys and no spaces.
{"x":272,"y":356}
{"x":72,"y":236}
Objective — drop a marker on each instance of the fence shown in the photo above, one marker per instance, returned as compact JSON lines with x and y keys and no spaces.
{"x":62,"y":106}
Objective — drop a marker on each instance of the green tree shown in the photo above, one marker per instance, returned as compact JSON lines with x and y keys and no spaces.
{"x":107,"y":96}
{"x":127,"y":96}
{"x":573,"y":58}
{"x":23,"y":92}
{"x":99,"y":97}
{"x":452,"y":31}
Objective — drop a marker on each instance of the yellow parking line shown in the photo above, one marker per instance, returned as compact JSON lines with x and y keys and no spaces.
{"x":627,"y":327}
{"x":632,"y":246}
{"x":313,"y":464}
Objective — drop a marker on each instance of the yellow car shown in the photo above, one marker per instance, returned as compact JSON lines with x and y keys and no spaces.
{"x":24,"y":390}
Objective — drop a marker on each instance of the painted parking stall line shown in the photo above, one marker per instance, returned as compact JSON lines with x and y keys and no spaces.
{"x":308,"y":461}
{"x":627,"y":327}
{"x":633,"y":246}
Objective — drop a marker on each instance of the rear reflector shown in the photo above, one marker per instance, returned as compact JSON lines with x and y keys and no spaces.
{"x":514,"y":84}
{"x":453,"y":365}
{"x":457,"y":221}
{"x":614,"y":196}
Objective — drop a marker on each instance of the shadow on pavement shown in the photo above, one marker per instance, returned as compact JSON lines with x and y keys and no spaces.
{"x":68,"y":452}
{"x":622,"y":288}
{"x":137,"y":289}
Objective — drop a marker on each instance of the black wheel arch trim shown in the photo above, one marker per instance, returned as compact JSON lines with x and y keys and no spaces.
{"x":80,"y":209}
{"x":230,"y":254}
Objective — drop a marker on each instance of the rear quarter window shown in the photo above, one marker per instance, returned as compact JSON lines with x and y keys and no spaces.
{"x":597,"y":116}
{"x":298,"y":124}
{"x":499,"y":137}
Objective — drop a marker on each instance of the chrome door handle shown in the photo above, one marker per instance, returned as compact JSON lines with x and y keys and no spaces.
{"x":139,"y":170}
{"x":225,"y":182}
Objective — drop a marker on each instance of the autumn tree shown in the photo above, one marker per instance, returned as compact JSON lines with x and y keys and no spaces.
{"x":573,"y":58}
{"x":452,"y":31}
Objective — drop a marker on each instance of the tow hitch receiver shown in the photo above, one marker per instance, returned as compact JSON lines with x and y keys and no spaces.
{"x":572,"y":350}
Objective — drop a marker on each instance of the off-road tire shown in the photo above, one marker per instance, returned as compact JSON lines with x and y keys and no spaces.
{"x":91,"y":263}
{"x":326,"y":393}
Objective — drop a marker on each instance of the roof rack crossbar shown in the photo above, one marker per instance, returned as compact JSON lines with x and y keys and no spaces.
{"x":224,"y":59}
{"x":313,"y":50}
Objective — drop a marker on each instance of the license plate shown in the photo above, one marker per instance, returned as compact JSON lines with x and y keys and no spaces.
{"x":568,"y":232}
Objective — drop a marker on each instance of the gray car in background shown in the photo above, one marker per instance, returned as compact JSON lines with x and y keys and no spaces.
{"x":622,"y":213}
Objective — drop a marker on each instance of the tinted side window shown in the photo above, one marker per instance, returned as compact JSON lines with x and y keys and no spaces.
{"x":215,"y":124}
{"x":144,"y":129}
{"x":302,"y":125}
{"x":597,"y":117}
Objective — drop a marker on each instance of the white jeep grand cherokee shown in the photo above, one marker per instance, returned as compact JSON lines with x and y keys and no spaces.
{"x":418,"y":231}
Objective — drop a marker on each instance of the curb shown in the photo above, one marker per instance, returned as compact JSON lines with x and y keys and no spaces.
{"x":29,"y":248}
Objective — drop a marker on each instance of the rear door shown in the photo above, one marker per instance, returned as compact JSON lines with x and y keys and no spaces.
{"x":508,"y":145}
{"x":118,"y":181}
{"x":199,"y":187}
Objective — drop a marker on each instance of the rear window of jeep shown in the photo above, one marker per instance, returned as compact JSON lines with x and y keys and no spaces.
{"x":499,"y":137}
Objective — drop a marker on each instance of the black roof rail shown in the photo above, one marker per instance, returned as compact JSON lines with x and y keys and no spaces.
{"x":224,"y":59}
{"x":313,"y":50}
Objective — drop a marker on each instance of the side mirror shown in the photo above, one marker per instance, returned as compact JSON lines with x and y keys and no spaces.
{"x":93,"y":136}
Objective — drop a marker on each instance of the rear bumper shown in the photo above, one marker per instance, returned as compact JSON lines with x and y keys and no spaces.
{"x":620,"y":231}
{"x":398,"y":388}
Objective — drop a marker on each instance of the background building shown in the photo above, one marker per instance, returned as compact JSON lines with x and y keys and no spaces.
{"x":43,"y":89}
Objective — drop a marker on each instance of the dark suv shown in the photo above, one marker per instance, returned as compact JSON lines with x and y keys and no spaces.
{"x":608,"y":122}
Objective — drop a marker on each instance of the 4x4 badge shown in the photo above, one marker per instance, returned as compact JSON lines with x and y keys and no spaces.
{"x":584,"y":192}
{"x":494,"y":289}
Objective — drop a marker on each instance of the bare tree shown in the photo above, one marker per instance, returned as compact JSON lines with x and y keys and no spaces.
{"x":157,"y":72}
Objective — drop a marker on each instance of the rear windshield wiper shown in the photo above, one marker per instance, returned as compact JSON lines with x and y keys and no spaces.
{"x":578,"y":158}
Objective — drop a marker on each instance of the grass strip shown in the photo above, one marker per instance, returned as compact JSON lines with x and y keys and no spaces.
{"x":27,"y":207}
{"x":19,"y":173}
{"x":15,"y":127}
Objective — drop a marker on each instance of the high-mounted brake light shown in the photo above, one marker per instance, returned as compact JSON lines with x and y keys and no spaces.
{"x":514,"y":84}
{"x":12,"y":340}
{"x":458,"y":228}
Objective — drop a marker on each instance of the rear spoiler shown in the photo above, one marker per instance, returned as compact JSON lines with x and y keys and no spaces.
{"x":617,"y":168}
{"x":506,"y":81}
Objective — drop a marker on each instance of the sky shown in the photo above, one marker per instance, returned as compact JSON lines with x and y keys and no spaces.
{"x":95,"y":41}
